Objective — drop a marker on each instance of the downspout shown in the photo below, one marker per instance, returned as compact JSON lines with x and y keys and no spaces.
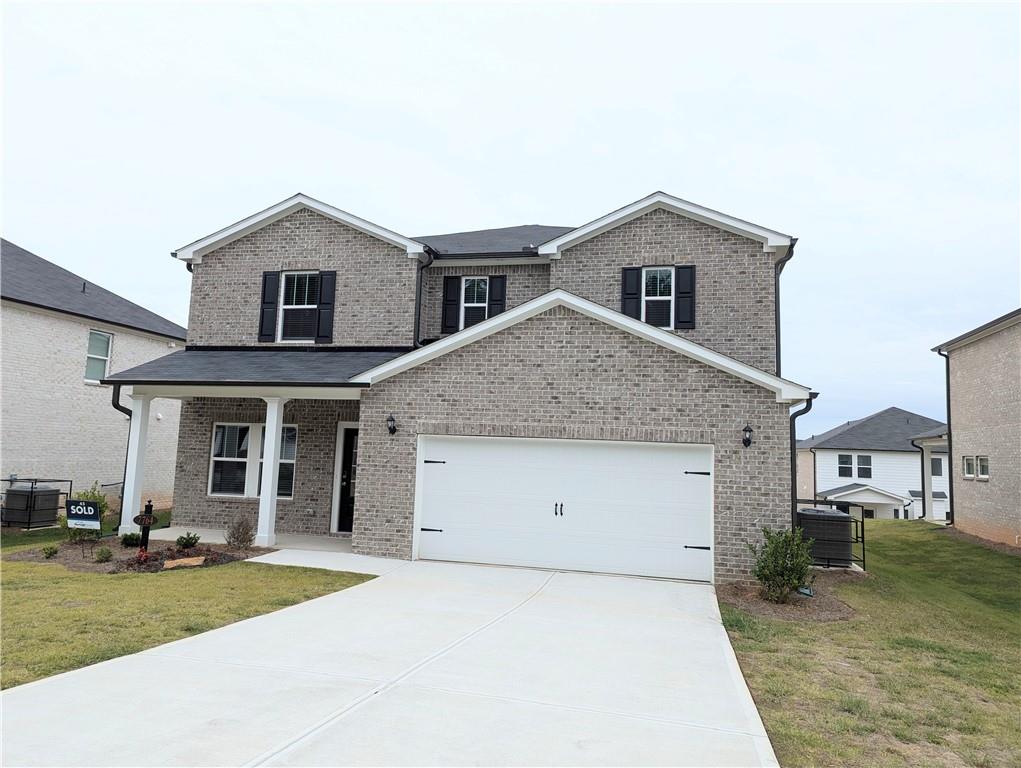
{"x":422,"y":264}
{"x":815,"y":475}
{"x":115,"y":399}
{"x":794,"y":457}
{"x":952,"y":462}
{"x":922,"y":467}
{"x":777,"y":269}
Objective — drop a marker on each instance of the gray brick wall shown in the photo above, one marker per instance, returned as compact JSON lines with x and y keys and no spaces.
{"x":375,"y":283}
{"x":563,"y":375}
{"x":524,"y":282}
{"x":309,"y":512}
{"x":985,"y":406}
{"x":734,"y":279}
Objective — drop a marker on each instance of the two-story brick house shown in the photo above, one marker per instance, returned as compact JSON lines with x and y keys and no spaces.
{"x":601,"y":398}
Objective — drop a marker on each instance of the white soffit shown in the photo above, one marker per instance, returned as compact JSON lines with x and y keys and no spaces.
{"x":193,"y":252}
{"x":786,"y":391}
{"x":772,"y":241}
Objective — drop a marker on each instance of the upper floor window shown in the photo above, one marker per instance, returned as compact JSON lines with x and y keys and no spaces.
{"x":936,"y":466}
{"x":658,"y":296}
{"x":844,"y":465}
{"x":864,"y":466}
{"x":474,"y":300}
{"x":299,"y":306}
{"x":97,"y":356}
{"x":982,"y":467}
{"x":968,"y":467}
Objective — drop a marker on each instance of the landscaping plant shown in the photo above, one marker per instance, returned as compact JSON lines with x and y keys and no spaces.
{"x":240,"y":533}
{"x":188,"y":541}
{"x":104,"y":555}
{"x":49,"y":551}
{"x":782,"y":563}
{"x":96,"y":495}
{"x":131,"y":539}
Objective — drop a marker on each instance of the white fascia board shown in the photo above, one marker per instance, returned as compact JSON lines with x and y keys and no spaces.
{"x":872,"y":488}
{"x":772,"y":241}
{"x":193,"y":252}
{"x":786,"y":391}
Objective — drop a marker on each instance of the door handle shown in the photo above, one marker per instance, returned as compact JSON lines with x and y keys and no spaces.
{"x":558,"y":509}
{"x":561,"y":509}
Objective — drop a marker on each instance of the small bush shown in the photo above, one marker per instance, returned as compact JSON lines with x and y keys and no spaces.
{"x":187,"y":541}
{"x":782,"y":563}
{"x":49,"y":551}
{"x":104,"y":555}
{"x":240,"y":533}
{"x":131,"y":540}
{"x":96,"y":495}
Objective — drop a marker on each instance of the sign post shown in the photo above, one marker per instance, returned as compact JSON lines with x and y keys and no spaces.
{"x":145,"y":521}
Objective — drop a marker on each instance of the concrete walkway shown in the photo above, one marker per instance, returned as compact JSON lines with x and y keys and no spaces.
{"x":429,"y":664}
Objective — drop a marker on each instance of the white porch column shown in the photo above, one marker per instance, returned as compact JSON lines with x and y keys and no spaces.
{"x":134,"y":475}
{"x":927,"y":481}
{"x":266,"y":532}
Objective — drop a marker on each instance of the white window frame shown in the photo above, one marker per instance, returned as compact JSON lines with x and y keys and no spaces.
{"x":858,"y":466}
{"x":965,"y":460}
{"x":280,"y":306}
{"x":670,"y":298}
{"x":464,"y":303}
{"x":849,"y":465}
{"x":106,"y":360}
{"x":935,"y":461}
{"x":252,"y":462}
{"x":979,"y":474}
{"x":294,"y":461}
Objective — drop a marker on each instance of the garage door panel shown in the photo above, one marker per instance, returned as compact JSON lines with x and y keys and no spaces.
{"x":627,"y":507}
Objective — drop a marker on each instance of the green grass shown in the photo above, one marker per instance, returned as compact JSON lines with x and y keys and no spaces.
{"x":55,"y":620}
{"x":13,"y":539}
{"x":924,"y":674}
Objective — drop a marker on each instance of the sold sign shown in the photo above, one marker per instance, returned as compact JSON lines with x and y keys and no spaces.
{"x":82,"y":513}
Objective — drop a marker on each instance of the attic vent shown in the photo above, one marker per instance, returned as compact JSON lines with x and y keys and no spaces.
{"x":83,"y":286}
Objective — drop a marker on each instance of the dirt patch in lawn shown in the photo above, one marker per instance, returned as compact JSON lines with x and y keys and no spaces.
{"x":125,"y":558}
{"x":825,"y":606}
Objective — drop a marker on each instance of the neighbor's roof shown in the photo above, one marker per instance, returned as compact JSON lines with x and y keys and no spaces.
{"x":939,"y":431}
{"x":270,"y":367}
{"x":30,"y":279}
{"x":935,"y":494}
{"x":844,"y":490}
{"x":889,"y":430}
{"x":987,"y":329}
{"x":506,"y":241}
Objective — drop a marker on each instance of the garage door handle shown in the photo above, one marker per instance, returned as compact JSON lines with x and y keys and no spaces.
{"x":689,"y":546}
{"x":696,"y":473}
{"x":557,"y":511}
{"x":435,"y":530}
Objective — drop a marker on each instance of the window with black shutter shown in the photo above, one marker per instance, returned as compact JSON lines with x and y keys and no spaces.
{"x":299,"y":306}
{"x":474,"y":300}
{"x":684,"y":296}
{"x":658,"y":296}
{"x":450,"y":321}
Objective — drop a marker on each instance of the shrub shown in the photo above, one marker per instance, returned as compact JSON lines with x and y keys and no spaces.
{"x":104,"y":555}
{"x":187,"y":541}
{"x":131,"y":540}
{"x":49,"y":551}
{"x":782,"y":563}
{"x":96,"y":495}
{"x":240,"y":533}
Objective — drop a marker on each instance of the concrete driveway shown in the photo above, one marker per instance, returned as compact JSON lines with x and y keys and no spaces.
{"x":429,"y":664}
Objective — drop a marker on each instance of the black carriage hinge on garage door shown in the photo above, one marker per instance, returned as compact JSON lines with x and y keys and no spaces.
{"x":688,"y":472}
{"x":433,"y":461}
{"x":691,"y":546}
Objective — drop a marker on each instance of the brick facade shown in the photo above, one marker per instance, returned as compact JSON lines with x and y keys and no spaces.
{"x":375,"y":298}
{"x":985,"y":408}
{"x":309,"y":512}
{"x":563,"y":375}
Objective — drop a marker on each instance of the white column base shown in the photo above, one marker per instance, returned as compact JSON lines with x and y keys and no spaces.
{"x":266,"y":541}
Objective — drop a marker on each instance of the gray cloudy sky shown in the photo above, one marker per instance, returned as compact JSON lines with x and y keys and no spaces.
{"x":884,"y":137}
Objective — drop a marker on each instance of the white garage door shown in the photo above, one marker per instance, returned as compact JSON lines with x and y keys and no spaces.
{"x":586,"y":505}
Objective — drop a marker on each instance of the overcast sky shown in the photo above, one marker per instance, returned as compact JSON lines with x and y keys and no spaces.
{"x":886,"y":138}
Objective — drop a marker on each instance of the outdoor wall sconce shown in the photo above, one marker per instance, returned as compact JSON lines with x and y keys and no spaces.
{"x":747,"y":439}
{"x":391,"y":424}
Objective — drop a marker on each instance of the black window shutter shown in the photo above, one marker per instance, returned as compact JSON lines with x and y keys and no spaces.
{"x":631,"y":292}
{"x":684,"y":296}
{"x":497,"y":294}
{"x":268,"y":308}
{"x":324,"y":324}
{"x":451,"y":318}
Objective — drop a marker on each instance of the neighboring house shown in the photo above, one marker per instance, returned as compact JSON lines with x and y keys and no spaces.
{"x":984,"y":400}
{"x":62,"y":335}
{"x":872,"y":468}
{"x":582,"y":402}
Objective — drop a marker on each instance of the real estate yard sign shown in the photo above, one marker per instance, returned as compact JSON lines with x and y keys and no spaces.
{"x":83,"y":514}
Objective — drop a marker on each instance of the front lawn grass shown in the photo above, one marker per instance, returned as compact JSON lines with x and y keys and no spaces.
{"x":55,"y":620}
{"x":926,"y":673}
{"x":15,"y":538}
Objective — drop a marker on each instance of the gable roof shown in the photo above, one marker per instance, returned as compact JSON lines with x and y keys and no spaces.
{"x":772,"y":241}
{"x":505,"y":241}
{"x":851,"y":488}
{"x":193,"y":252}
{"x":30,"y":279}
{"x":891,"y":429}
{"x":986,"y":329}
{"x":786,"y":390}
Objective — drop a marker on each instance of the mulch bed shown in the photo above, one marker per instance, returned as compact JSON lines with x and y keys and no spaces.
{"x":823,"y":607}
{"x":125,"y":558}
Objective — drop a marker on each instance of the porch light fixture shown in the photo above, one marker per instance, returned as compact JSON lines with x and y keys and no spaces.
{"x":391,"y":424}
{"x":747,"y":439}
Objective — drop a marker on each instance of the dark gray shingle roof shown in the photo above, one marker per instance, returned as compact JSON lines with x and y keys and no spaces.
{"x":889,"y":430}
{"x":264,"y":366}
{"x":938,"y":431}
{"x":489,"y":242}
{"x":841,"y":489}
{"x":31,"y":279}
{"x":935,"y":494}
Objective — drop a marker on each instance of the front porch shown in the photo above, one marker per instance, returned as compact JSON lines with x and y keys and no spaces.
{"x":302,"y":542}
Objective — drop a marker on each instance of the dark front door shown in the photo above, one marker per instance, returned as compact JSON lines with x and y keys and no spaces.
{"x":348,"y":468}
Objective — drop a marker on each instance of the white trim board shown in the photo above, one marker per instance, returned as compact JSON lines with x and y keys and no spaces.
{"x":772,"y":241}
{"x":193,"y":252}
{"x":786,"y":391}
